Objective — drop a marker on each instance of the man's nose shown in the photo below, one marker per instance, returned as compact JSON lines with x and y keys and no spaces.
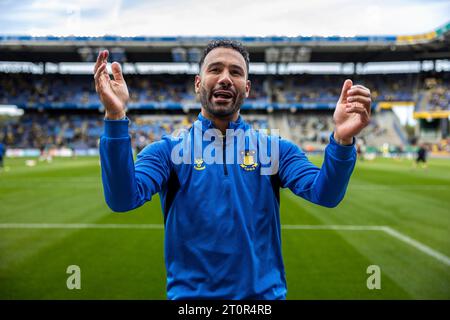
{"x":225,"y":79}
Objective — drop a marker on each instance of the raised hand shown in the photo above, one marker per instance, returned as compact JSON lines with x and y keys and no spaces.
{"x":352,"y":113}
{"x":113,"y":93}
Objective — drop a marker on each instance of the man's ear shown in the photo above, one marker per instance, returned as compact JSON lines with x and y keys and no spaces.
{"x":197,"y":82}
{"x":248,"y":86}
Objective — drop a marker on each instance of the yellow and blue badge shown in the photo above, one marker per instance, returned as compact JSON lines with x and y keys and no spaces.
{"x":248,"y":163}
{"x":199,"y":164}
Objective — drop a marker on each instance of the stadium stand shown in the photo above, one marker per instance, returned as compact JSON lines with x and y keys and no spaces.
{"x":53,"y":92}
{"x":69,"y":91}
{"x":45,"y":124}
{"x":435,"y":94}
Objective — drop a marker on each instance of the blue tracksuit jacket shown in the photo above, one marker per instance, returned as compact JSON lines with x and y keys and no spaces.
{"x":222,"y":220}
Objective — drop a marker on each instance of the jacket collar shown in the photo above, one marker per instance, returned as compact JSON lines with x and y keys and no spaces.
{"x":208,"y":124}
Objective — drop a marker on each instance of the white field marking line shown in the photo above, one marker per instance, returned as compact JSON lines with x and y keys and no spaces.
{"x":65,"y":180}
{"x":400,"y":187}
{"x":393,"y":233}
{"x":332,"y":227}
{"x":78,"y":226}
{"x":161,"y":226}
{"x":418,"y":245}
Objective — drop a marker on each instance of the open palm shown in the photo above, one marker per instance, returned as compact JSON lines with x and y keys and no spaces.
{"x":113,"y":93}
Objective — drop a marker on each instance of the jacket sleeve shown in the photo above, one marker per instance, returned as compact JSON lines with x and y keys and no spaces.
{"x":325,"y":186}
{"x":128,"y":185}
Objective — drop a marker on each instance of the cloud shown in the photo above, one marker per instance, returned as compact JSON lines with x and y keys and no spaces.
{"x":227,"y":18}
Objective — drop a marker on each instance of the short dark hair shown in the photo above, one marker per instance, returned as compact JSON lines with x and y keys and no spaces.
{"x":235,"y":45}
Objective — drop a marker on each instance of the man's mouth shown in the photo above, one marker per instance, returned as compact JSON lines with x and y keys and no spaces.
{"x":222,"y":96}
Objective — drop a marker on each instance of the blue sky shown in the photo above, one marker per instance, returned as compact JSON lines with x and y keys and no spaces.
{"x":222,"y":18}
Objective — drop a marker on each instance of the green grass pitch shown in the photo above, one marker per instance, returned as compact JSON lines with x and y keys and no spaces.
{"x":321,"y":263}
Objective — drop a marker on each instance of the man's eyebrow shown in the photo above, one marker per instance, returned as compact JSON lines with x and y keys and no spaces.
{"x":220,"y":64}
{"x":215,"y":64}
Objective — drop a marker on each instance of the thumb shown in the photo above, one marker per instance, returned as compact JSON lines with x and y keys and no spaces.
{"x":117,"y":71}
{"x":347,"y":85}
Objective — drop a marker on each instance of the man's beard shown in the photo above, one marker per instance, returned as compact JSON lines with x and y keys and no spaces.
{"x":220,"y":110}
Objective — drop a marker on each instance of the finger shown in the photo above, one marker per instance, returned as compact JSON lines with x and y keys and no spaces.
{"x":105,"y":55}
{"x":101,"y":77}
{"x":362,"y":99}
{"x":347,"y":85}
{"x":117,"y":72}
{"x":366,"y":105}
{"x":101,"y":70}
{"x":357,"y":108}
{"x":97,"y":62}
{"x":359,"y":86}
{"x":359,"y":91}
{"x":100,"y":60}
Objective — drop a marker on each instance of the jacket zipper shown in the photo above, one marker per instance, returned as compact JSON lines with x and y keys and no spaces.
{"x":225,"y":170}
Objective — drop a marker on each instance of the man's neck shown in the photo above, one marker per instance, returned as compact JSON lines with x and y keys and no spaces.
{"x":220,"y":123}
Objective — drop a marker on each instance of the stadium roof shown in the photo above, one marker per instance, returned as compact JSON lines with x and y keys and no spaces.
{"x":248,"y":40}
{"x":430,"y":45}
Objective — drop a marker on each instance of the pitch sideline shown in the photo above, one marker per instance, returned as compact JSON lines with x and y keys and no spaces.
{"x":388,"y":230}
